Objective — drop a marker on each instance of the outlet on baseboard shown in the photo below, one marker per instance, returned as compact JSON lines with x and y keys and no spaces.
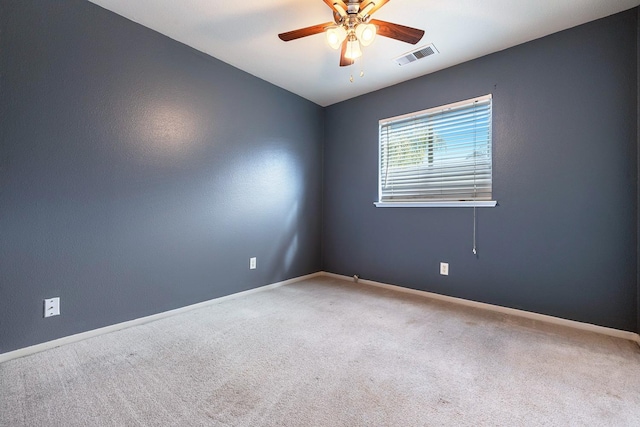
{"x":444,"y":268}
{"x":52,"y":307}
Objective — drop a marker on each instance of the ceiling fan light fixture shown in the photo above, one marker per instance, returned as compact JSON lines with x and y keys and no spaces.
{"x":352,"y":28}
{"x":366,"y":33}
{"x":353,"y":50}
{"x":335,"y":36}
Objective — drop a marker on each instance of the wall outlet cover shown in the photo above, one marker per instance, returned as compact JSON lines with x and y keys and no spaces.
{"x":444,"y":268}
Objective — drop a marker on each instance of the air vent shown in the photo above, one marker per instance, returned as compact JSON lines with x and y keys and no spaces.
{"x":419,"y":53}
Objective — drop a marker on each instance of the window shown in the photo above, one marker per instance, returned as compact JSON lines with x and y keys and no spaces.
{"x":437,"y":157}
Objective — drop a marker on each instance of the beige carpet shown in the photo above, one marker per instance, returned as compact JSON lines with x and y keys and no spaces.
{"x":329,"y":353}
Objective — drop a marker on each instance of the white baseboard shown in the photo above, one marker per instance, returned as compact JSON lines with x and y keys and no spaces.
{"x":631,"y":336}
{"x":140,"y":321}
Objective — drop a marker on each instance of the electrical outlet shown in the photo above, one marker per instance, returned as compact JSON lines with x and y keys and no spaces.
{"x":52,"y":307}
{"x":444,"y":268}
{"x":252,"y":263}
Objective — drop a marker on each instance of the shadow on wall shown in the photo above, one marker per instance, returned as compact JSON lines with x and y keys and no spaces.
{"x":265,"y":189}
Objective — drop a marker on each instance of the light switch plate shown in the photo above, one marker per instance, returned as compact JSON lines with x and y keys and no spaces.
{"x":52,"y":307}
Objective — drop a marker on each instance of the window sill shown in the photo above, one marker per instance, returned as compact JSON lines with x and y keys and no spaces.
{"x":452,"y":204}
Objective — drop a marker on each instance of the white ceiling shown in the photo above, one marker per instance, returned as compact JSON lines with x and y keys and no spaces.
{"x":244,"y":34}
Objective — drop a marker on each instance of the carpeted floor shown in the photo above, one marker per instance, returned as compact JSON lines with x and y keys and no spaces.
{"x":325,"y":352}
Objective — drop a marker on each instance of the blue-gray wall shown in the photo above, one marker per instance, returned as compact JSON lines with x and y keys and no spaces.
{"x":563,"y":239}
{"x":638,"y":136}
{"x":138,"y":175}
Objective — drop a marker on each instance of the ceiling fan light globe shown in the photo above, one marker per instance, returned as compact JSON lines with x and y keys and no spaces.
{"x":366,"y":33}
{"x":335,"y":36}
{"x":353,"y":50}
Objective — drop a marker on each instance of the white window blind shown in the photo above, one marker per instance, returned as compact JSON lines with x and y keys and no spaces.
{"x":439,"y":154}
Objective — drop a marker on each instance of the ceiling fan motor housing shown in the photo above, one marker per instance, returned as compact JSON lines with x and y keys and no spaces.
{"x":353,"y":7}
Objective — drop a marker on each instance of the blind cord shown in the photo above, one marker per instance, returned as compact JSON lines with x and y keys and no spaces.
{"x":385,"y":151}
{"x":475,"y":165}
{"x":475,"y":252}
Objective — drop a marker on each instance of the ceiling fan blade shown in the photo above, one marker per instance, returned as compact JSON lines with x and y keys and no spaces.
{"x":377,"y":4}
{"x":398,"y":32}
{"x":332,"y":3}
{"x":344,"y":61}
{"x":304,"y":32}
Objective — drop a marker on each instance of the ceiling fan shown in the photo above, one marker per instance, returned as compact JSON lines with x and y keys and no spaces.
{"x":353,"y":27}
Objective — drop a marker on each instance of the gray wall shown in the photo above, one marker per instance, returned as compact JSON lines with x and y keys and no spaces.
{"x":563,"y":239}
{"x":138,"y":175}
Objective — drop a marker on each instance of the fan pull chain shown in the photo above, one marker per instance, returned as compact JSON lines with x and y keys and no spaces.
{"x":351,"y":70}
{"x":361,"y":69}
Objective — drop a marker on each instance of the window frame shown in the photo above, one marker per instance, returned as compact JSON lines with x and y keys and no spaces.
{"x":434,"y":202}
